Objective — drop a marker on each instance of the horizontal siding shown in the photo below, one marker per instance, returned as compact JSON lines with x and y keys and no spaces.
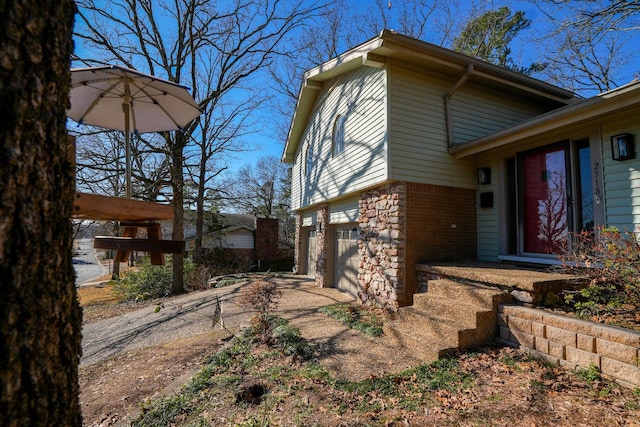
{"x":622,"y":179}
{"x":488,"y":218}
{"x":309,"y":217}
{"x":360,"y":97}
{"x":477,"y":112}
{"x":238,"y":239}
{"x":344,"y":211}
{"x":418,"y":135}
{"x":241,"y":239}
{"x":417,"y":125}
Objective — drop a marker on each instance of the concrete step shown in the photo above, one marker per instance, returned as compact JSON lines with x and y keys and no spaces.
{"x":438,"y":307}
{"x":472,"y":294}
{"x":425,"y":338}
{"x":475,"y":326}
{"x":450,"y":316}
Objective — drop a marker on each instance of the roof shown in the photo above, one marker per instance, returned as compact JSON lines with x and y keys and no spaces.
{"x":607,"y":104}
{"x":390,"y":44}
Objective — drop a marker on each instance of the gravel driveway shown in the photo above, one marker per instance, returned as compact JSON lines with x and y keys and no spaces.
{"x":179,"y":317}
{"x":345,"y":352}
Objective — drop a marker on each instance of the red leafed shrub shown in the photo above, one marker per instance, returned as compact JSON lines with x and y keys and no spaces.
{"x":261,"y":296}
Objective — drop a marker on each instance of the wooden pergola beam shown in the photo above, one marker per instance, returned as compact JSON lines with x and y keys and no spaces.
{"x":142,"y":245}
{"x":105,"y":208}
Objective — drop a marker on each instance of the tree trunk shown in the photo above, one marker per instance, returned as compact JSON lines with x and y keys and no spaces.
{"x":39,"y":313}
{"x":177,"y":179}
{"x":197,"y":252}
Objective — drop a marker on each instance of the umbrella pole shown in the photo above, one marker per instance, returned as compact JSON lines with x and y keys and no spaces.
{"x":125,"y":108}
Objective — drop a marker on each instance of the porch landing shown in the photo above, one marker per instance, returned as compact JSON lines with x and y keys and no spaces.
{"x":526,"y":285}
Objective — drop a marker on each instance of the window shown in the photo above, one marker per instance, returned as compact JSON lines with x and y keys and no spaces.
{"x":337,"y":138}
{"x":308,"y":161}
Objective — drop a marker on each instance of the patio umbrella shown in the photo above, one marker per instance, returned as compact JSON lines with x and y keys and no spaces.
{"x":120,"y":98}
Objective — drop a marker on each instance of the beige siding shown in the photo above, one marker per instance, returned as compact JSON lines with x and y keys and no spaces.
{"x":417,"y":132}
{"x":417,"y":125}
{"x":237,"y":239}
{"x":489,"y":218}
{"x":360,"y":97}
{"x":344,"y":211}
{"x":622,"y":180}
{"x":309,"y":217}
{"x":477,"y":112}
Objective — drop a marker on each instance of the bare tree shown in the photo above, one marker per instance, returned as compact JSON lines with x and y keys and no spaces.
{"x":40,"y":317}
{"x":588,"y":47}
{"x":258,"y":188}
{"x":185,"y":41}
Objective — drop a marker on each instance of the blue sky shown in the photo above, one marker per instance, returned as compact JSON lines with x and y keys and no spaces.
{"x":524,"y":50}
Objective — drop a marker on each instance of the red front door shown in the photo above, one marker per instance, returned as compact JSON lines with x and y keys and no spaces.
{"x":544,"y":199}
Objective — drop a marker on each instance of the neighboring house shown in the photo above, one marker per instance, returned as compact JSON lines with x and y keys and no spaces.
{"x":405,"y":153}
{"x":245,"y":239}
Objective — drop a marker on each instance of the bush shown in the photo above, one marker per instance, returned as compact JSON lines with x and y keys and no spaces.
{"x":610,"y":260}
{"x":154,"y":281}
{"x":262,"y":297}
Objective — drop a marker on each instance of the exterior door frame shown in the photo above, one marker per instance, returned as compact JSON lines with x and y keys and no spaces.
{"x":511,"y":242}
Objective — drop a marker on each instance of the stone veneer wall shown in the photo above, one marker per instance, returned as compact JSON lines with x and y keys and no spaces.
{"x":573,"y":342}
{"x":322,"y":248}
{"x":381,"y":274}
{"x":297,"y":243}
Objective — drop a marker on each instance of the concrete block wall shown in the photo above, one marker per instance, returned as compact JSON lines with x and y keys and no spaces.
{"x":573,"y":342}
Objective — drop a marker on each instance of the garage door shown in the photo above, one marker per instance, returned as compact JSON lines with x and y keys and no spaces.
{"x":312,"y":255}
{"x":347,"y":260}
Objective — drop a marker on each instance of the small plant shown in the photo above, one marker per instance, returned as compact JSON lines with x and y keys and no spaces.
{"x":355,"y":317}
{"x":291,"y":342}
{"x":262,"y":297}
{"x":590,"y":374}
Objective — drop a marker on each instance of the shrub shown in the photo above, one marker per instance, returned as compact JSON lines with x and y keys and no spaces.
{"x":610,"y":259}
{"x":262,"y":297}
{"x":154,"y":281}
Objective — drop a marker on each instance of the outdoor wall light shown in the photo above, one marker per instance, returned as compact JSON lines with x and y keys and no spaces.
{"x":622,"y":147}
{"x":484,"y":175}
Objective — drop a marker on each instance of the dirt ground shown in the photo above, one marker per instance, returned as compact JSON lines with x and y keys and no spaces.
{"x":111,"y":391}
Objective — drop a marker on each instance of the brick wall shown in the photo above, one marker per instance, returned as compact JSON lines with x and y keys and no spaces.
{"x":266,"y":240}
{"x":440,"y":225}
{"x":573,"y":342}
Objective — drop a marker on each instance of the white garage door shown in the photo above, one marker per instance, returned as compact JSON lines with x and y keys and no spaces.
{"x":347,"y":259}
{"x":312,"y":255}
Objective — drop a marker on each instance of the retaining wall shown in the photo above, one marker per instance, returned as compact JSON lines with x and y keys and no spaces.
{"x":573,"y":342}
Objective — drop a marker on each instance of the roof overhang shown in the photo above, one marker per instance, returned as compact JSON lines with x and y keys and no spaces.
{"x":604,"y":105}
{"x":389,"y":44}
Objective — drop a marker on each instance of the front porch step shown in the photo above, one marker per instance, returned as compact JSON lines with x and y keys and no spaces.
{"x":425,"y":338}
{"x":450,"y":316}
{"x":472,"y":294}
{"x":501,"y":276}
{"x":526,"y":286}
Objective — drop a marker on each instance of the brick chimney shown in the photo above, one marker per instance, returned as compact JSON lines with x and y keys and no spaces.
{"x":266,"y":241}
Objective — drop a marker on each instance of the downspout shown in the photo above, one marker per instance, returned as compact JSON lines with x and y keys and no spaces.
{"x":447,"y":97}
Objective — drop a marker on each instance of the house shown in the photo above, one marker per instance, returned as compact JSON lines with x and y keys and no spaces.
{"x":406,"y":153}
{"x":245,"y":240}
